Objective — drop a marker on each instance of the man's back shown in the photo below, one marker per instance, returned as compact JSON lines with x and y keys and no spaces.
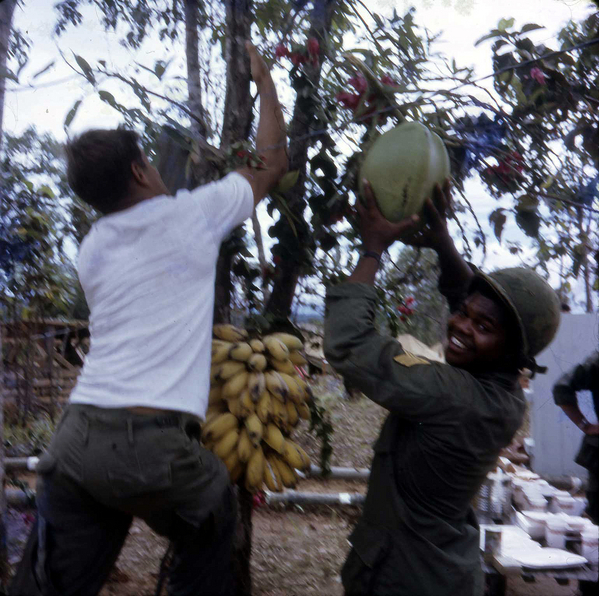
{"x":148,"y":276}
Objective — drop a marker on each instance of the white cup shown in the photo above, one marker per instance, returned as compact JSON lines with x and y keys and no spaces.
{"x":590,"y":540}
{"x":555,"y":532}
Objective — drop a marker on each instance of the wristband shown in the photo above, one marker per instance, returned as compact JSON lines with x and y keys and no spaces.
{"x":583,"y":425}
{"x":372,"y":254}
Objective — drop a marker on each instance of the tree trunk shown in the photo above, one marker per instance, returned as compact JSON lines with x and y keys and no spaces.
{"x":7,"y":9}
{"x":194,"y":84}
{"x":261,"y":253}
{"x":287,"y":271}
{"x":3,"y":537}
{"x":237,"y":120}
{"x":237,"y":125}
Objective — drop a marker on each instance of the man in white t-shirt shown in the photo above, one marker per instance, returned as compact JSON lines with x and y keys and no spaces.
{"x":128,"y":444}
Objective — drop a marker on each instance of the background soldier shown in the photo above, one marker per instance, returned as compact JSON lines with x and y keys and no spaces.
{"x":583,"y":377}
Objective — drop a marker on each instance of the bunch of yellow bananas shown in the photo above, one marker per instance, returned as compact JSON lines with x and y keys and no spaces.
{"x":256,"y":399}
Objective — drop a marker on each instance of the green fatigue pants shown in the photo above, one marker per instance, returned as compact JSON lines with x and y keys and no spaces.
{"x":105,"y":466}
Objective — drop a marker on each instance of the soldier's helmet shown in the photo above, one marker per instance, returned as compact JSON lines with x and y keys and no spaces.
{"x":532,"y":301}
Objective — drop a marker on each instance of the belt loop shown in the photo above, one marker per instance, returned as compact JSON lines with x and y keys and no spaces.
{"x":130,"y":430}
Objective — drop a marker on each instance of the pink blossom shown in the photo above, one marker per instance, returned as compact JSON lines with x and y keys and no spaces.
{"x":297,"y":59}
{"x":281,"y":51}
{"x":387,"y":80}
{"x":359,"y":83}
{"x":538,"y":75}
{"x":258,"y":500}
{"x":349,"y":100}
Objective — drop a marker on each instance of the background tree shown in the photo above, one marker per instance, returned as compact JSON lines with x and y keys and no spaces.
{"x":531,"y":139}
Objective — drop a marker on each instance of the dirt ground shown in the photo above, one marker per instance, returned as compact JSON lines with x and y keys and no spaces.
{"x":296,"y":552}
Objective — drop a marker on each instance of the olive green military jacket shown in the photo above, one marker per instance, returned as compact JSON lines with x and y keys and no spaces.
{"x":418,"y":535}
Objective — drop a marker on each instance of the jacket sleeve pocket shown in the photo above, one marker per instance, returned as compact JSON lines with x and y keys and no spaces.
{"x":370,"y":546}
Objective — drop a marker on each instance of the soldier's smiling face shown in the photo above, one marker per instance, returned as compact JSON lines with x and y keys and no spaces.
{"x":477,"y":335}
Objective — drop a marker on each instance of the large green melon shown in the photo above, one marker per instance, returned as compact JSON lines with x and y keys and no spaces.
{"x":403,"y":166}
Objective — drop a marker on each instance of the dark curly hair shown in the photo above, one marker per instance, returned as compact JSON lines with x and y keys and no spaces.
{"x":99,"y":166}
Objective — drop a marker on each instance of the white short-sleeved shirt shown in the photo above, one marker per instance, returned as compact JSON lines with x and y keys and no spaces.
{"x":148,"y":275}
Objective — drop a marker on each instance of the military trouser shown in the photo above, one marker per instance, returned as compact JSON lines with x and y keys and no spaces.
{"x":105,"y":466}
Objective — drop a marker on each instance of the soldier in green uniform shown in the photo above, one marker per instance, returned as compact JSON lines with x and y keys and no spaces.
{"x":584,"y":376}
{"x":447,"y":422}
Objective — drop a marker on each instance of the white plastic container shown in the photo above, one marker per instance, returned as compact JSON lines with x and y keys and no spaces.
{"x":555,"y":532}
{"x":580,"y":505}
{"x":536,"y":503}
{"x":566,"y":504}
{"x":590,"y":540}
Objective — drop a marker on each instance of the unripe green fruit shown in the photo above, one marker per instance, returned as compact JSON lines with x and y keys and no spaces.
{"x":403,"y":166}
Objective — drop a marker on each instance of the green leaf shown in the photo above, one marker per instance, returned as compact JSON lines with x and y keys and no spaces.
{"x":530,"y":27}
{"x":71,"y":114}
{"x":159,"y":69}
{"x":548,"y":182}
{"x":527,"y":203}
{"x":288,"y":181}
{"x":505,"y":24}
{"x":498,"y":219}
{"x":282,"y":206}
{"x":529,"y":222}
{"x":107,"y":97}
{"x":86,"y":68}
{"x":46,"y":191}
{"x":494,"y":33}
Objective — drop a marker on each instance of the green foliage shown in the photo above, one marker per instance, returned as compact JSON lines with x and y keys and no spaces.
{"x":321,"y":426}
{"x":37,"y":276}
{"x":31,"y":437}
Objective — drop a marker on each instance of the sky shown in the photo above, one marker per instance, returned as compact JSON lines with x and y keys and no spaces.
{"x":462,"y":22}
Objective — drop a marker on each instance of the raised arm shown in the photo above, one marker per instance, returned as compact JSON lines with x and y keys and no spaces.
{"x":426,"y":231}
{"x":271,"y":137}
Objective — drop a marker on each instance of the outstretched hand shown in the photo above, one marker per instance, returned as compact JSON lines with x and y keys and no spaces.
{"x":377,"y":232}
{"x":258,"y":67}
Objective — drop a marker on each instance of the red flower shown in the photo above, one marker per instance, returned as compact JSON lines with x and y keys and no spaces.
{"x":409,"y":300}
{"x":538,"y":75}
{"x":281,"y":51}
{"x":359,"y":83}
{"x":313,"y":46}
{"x":258,"y":500}
{"x":298,"y":59}
{"x":349,"y":100}
{"x":387,"y":80}
{"x":242,"y":153}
